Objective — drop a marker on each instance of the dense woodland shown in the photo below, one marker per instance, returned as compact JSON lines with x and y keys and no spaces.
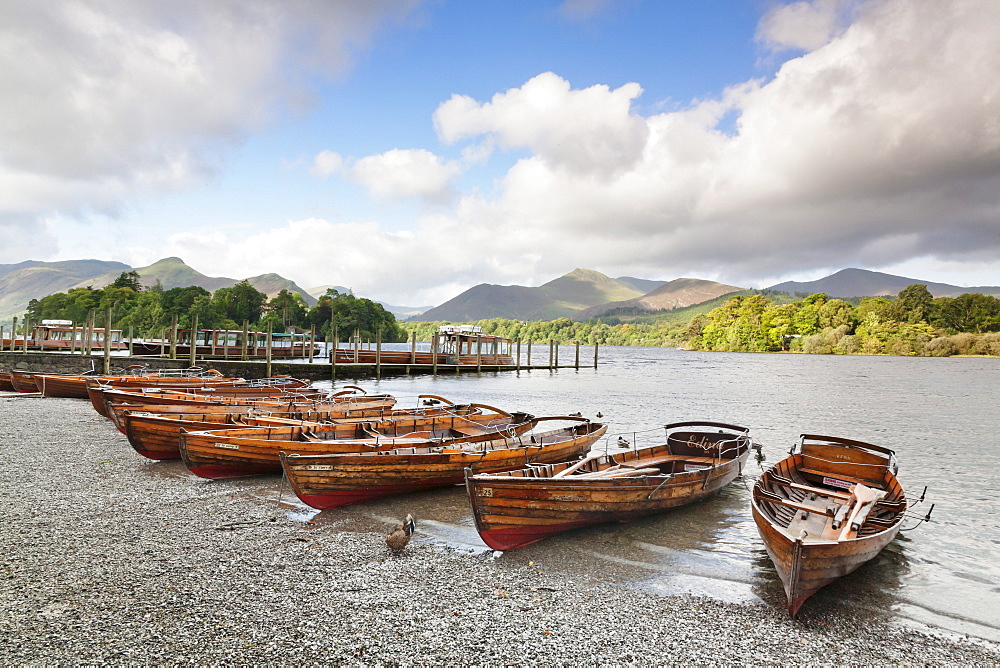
{"x":914,"y":323}
{"x":149,"y":311}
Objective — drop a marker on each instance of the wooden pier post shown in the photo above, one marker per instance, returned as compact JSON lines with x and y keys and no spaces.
{"x":131,"y":348}
{"x":556,"y":345}
{"x":267,"y":352}
{"x":244,"y":342}
{"x":479,"y":353}
{"x":27,"y":330}
{"x":357,"y":343}
{"x":334,"y":344}
{"x":173,"y":337}
{"x":312,"y":343}
{"x":550,"y":354}
{"x":194,"y":339}
{"x":163,"y":341}
{"x":215,"y":335}
{"x":413,"y":347}
{"x":88,"y":350}
{"x":577,"y":361}
{"x":517,"y":360}
{"x":225,"y":345}
{"x":528,"y":362}
{"x":107,"y":341}
{"x":434,"y":354}
{"x":13,"y":335}
{"x":595,"y":354}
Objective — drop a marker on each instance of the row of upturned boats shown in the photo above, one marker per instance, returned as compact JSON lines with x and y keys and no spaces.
{"x":822,"y":512}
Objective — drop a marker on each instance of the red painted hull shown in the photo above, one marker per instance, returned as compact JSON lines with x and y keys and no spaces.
{"x":217,"y":472}
{"x":345,"y":497}
{"x":509,"y":539}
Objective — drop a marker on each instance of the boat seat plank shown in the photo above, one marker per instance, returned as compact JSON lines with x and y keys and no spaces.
{"x":663,"y":459}
{"x":837,"y":476}
{"x":770,"y":497}
{"x":819,"y":491}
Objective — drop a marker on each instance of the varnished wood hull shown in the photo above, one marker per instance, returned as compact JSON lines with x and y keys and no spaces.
{"x":326,"y":482}
{"x":231,"y":391}
{"x":521,"y":507}
{"x":5,"y":384}
{"x":793,"y":506}
{"x":23,"y":381}
{"x":157,"y":435}
{"x":237,"y":453}
{"x":65,"y":386}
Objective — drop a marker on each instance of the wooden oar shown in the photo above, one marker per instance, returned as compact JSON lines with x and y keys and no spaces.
{"x":593,"y":454}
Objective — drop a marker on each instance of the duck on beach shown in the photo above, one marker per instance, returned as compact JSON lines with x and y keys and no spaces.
{"x":398,"y":539}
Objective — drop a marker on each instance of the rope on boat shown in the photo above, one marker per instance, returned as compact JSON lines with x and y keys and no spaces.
{"x":281,"y":490}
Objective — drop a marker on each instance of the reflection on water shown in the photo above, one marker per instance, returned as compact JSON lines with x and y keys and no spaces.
{"x":938,"y":414}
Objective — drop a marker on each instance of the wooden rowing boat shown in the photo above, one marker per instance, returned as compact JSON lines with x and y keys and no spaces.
{"x":5,"y":384}
{"x":157,"y":435}
{"x":23,"y":381}
{"x":825,"y":510}
{"x":328,"y":481}
{"x":317,"y":405}
{"x":226,"y":390}
{"x":252,"y":451}
{"x":521,"y":507}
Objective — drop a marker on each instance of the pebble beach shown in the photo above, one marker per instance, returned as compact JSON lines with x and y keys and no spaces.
{"x":110,"y":559}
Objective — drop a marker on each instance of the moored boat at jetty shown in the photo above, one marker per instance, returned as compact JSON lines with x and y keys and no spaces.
{"x":453,"y":344}
{"x":520,"y":507}
{"x":332,"y":480}
{"x":5,"y":384}
{"x":57,"y":335}
{"x":231,"y":343}
{"x":829,"y":507}
{"x":157,"y":435}
{"x":253,"y":451}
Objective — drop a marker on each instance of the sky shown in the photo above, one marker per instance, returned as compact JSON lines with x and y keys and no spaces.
{"x":412,"y":149}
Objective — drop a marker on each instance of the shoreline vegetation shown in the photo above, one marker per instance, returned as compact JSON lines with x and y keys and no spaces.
{"x":914,"y":323}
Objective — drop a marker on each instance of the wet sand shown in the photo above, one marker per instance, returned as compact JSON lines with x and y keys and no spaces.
{"x":111,"y":558}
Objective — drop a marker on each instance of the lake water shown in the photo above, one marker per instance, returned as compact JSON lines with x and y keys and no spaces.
{"x":940,"y":415}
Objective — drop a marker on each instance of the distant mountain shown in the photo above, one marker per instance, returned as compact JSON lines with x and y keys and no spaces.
{"x":562,"y":297}
{"x":171,"y":272}
{"x":404,"y":312}
{"x":24,"y":281}
{"x":864,"y":283}
{"x":319,"y":291}
{"x":272,"y":284}
{"x":643,"y":285}
{"x":678,"y":293}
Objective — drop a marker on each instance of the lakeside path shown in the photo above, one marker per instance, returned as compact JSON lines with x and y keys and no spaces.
{"x":108,"y":558}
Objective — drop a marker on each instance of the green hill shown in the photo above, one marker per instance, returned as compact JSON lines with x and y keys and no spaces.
{"x":559,"y":298}
{"x":171,"y":272}
{"x":24,"y":281}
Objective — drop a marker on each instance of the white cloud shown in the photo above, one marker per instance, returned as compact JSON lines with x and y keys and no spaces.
{"x":590,"y":130}
{"x":103,"y":101}
{"x":327,"y":163}
{"x":806,"y":25}
{"x":405,"y":173}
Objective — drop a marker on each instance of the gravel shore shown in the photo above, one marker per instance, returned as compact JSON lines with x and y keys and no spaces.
{"x":109,"y":561}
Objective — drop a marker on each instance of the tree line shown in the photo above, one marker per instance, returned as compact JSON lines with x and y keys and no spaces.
{"x":148,"y":311}
{"x":914,"y":323}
